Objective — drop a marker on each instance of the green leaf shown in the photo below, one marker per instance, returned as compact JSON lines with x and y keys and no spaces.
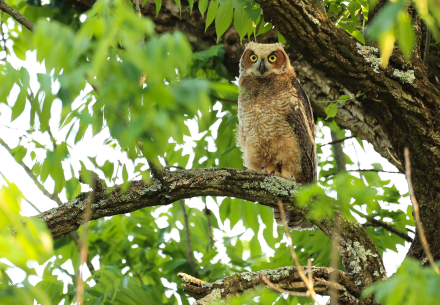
{"x":264,"y":27}
{"x":241,"y":21}
{"x":19,"y":153}
{"x":212,"y":12}
{"x":19,"y":105}
{"x":158,"y":6}
{"x":223,"y":19}
{"x":124,"y":173}
{"x":331,"y":110}
{"x":254,"y":13}
{"x":354,"y":8}
{"x":239,"y":4}
{"x":353,"y":32}
{"x":179,"y":5}
{"x":405,"y":34}
{"x":281,"y":38}
{"x":203,"y":5}
{"x":385,"y":19}
{"x":377,"y":166}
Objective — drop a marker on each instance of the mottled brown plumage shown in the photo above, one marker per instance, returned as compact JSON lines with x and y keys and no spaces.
{"x":276,"y":128}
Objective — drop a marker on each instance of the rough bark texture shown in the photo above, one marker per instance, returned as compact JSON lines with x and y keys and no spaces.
{"x":361,"y":260}
{"x":286,"y":278}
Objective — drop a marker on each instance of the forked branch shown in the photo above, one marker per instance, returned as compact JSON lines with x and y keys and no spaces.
{"x":284,"y":279}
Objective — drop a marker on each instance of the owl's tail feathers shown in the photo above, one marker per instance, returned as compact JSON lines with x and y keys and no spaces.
{"x":294,"y":222}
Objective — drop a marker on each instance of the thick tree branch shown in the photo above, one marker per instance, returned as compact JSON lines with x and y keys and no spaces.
{"x":286,"y":278}
{"x":360,"y":257}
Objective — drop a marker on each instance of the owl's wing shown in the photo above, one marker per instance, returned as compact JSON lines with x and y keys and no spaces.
{"x":300,"y":117}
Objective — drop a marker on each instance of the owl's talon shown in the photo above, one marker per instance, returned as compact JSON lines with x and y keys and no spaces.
{"x":263,"y":170}
{"x":292,"y":178}
{"x":272,"y":173}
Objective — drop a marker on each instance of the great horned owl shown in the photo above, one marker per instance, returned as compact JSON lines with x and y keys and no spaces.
{"x":276,"y":131}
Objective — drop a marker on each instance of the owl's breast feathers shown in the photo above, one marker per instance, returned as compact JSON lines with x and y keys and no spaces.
{"x":276,"y":127}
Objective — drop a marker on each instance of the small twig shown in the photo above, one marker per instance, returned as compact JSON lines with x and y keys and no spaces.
{"x":372,"y":222}
{"x":191,"y":280}
{"x":306,"y":281}
{"x":224,"y":99}
{"x":378,"y":223}
{"x":16,"y":15}
{"x":409,"y":230}
{"x":31,"y":175}
{"x":338,"y":141}
{"x":364,"y":170}
{"x":83,"y":251}
{"x":139,"y":277}
{"x":417,"y":220}
{"x":338,"y":153}
{"x":280,"y":290}
{"x":172,"y":166}
{"x":137,"y":8}
{"x":211,"y":240}
{"x":393,"y":157}
{"x":341,"y":165}
{"x":334,"y":261}
{"x":27,"y":200}
{"x":433,"y":120}
{"x":188,"y":241}
{"x":157,"y":171}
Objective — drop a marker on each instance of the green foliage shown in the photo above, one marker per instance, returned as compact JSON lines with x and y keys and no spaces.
{"x":21,"y":240}
{"x":136,"y":257}
{"x":411,"y":285}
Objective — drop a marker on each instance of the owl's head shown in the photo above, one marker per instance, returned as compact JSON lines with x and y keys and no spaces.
{"x":261,"y":59}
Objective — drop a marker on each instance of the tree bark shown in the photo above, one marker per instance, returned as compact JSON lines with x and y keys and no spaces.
{"x":286,"y":278}
{"x":362,"y":262}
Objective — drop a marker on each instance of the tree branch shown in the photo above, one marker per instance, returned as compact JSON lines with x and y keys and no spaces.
{"x":338,"y":141}
{"x":31,"y":175}
{"x":189,"y":251}
{"x":364,"y":170}
{"x":285,"y":278}
{"x":16,"y":15}
{"x":372,"y":222}
{"x":208,"y":219}
{"x":360,"y":257}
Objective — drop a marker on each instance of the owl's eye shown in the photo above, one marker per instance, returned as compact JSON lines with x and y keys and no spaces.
{"x":253,"y":58}
{"x":272,"y":58}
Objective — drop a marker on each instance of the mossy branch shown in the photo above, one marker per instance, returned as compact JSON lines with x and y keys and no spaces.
{"x":360,"y":257}
{"x":285,"y":278}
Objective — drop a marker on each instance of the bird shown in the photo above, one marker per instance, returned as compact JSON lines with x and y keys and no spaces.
{"x":275,"y":131}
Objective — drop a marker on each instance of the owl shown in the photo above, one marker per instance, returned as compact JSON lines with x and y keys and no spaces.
{"x":276,"y":131}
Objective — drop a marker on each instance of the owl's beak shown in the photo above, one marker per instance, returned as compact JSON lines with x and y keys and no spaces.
{"x":262,"y":67}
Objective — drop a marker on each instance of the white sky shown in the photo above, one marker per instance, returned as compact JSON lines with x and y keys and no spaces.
{"x":93,"y":147}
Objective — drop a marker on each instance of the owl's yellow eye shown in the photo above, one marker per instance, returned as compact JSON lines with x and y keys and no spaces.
{"x":272,"y":58}
{"x":253,"y":58}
